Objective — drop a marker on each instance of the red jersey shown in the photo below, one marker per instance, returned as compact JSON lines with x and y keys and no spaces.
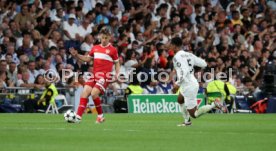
{"x":104,"y":58}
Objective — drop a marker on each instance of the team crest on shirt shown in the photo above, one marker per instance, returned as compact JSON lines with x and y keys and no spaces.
{"x":107,"y":51}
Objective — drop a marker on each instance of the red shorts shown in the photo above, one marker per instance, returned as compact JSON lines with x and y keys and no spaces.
{"x":101,"y":84}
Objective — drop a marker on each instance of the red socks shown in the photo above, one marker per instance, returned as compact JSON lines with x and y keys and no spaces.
{"x":82,"y":106}
{"x":83,"y":103}
{"x":98,"y":105}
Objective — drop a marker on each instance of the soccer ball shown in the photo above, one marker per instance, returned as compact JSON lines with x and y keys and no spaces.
{"x":70,"y":116}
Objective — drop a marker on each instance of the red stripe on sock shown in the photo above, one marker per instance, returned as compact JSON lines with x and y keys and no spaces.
{"x":98,"y":105}
{"x":82,"y":106}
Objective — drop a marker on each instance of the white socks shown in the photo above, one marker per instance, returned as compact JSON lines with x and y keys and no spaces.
{"x":184,"y":112}
{"x":204,"y":109}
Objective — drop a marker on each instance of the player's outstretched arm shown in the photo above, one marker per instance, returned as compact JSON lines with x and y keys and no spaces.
{"x":117,"y":68}
{"x":75,"y":54}
{"x":199,"y":62}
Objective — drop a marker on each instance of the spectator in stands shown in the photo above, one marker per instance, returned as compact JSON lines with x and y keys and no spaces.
{"x":258,"y":46}
{"x":3,"y":66}
{"x":33,"y":73}
{"x":39,"y":80}
{"x":102,"y":18}
{"x":55,"y":37}
{"x":254,"y":68}
{"x":79,"y":16}
{"x":3,"y":78}
{"x":151,"y":88}
{"x":249,"y":86}
{"x":11,"y":51}
{"x":166,"y":35}
{"x":80,"y":66}
{"x":119,"y":86}
{"x":23,"y":17}
{"x":236,"y":18}
{"x":83,"y":8}
{"x":149,"y":73}
{"x":71,"y":35}
{"x":115,"y":12}
{"x":72,"y":61}
{"x":163,"y":61}
{"x":59,"y":60}
{"x":131,"y":62}
{"x":24,"y":44}
{"x":165,"y":85}
{"x":24,"y":82}
{"x":35,"y":53}
{"x":12,"y":72}
{"x":41,"y":26}
{"x":87,"y":45}
{"x":85,"y":29}
{"x":45,"y":67}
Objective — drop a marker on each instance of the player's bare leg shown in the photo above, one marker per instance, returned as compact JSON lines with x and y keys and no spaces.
{"x":95,"y":96}
{"x":184,"y":111}
{"x":83,"y":101}
{"x":195,"y":112}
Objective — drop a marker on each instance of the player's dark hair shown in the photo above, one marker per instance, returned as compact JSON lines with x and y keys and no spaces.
{"x":177,"y":41}
{"x":105,"y":31}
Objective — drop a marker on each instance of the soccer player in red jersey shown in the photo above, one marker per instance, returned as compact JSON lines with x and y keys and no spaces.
{"x":104,"y":56}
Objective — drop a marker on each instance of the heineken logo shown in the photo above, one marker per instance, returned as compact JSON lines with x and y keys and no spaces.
{"x":155,"y":107}
{"x":157,"y":103}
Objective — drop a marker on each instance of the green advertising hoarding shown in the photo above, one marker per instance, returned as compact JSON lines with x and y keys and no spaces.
{"x":165,"y":103}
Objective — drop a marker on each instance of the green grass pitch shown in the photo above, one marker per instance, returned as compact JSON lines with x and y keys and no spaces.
{"x":138,"y":132}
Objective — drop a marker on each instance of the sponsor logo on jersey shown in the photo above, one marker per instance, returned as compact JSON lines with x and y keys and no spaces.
{"x":107,"y":51}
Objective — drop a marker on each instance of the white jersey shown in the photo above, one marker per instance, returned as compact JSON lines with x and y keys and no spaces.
{"x":184,"y":63}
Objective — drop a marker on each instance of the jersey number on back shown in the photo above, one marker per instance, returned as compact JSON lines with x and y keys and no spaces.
{"x":190,"y":65}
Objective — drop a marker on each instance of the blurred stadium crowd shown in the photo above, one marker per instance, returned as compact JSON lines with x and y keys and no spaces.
{"x":35,"y":36}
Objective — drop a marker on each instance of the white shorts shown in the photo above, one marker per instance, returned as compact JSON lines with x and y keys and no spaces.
{"x":189,"y":93}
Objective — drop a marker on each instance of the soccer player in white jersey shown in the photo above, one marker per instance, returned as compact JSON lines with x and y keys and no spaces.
{"x":184,"y":63}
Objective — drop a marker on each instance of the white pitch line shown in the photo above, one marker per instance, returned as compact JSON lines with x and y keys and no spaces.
{"x":130,"y":130}
{"x":58,"y":128}
{"x":234,"y":133}
{"x":33,"y":128}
